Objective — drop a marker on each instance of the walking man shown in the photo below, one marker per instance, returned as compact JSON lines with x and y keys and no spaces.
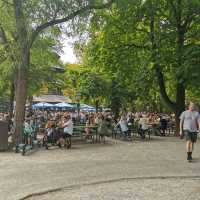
{"x":189,"y":125}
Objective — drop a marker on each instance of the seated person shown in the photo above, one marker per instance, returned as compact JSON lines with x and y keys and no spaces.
{"x":143,"y":126}
{"x":49,"y":123}
{"x":123,"y":126}
{"x":163,"y":125}
{"x":28,"y":132}
{"x":130,"y":121}
{"x":103,"y":128}
{"x":51,"y":134}
{"x":88,"y":129}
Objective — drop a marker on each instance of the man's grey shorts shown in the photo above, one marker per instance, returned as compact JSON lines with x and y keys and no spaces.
{"x":190,"y":136}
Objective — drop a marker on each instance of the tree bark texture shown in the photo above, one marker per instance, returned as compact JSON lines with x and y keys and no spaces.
{"x":22,"y":66}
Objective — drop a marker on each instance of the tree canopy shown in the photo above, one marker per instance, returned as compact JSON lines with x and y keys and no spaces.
{"x":135,"y":54}
{"x":150,"y":49}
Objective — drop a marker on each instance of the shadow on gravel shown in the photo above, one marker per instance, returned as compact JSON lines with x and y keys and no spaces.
{"x":195,"y":160}
{"x":80,"y":145}
{"x":92,"y":146}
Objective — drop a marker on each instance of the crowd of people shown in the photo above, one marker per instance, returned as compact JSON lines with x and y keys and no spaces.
{"x":58,"y":126}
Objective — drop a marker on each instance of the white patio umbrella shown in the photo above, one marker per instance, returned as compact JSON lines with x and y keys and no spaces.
{"x":63,"y":105}
{"x":85,"y":106}
{"x":42,"y":105}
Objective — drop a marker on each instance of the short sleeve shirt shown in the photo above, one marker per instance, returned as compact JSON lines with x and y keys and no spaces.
{"x":68,"y":127}
{"x":123,"y":125}
{"x":190,"y":120}
{"x":144,"y":123}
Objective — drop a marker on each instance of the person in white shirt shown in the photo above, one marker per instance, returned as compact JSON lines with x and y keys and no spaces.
{"x":143,"y":122}
{"x":189,"y":126}
{"x":67,"y":126}
{"x":123,"y":125}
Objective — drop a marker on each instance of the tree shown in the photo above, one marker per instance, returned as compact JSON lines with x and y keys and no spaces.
{"x":94,"y":87}
{"x":39,"y":72}
{"x":153,"y":39}
{"x":180,"y":20}
{"x":111,"y":50}
{"x":27,"y":20}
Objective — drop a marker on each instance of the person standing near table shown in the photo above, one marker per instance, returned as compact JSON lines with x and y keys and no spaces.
{"x":189,"y":125}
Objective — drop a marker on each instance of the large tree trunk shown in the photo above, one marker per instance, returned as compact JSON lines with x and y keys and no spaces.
{"x":180,"y":105}
{"x":180,"y":90}
{"x":21,"y":68}
{"x":21,"y":93}
{"x":163,"y":93}
{"x":12,"y":98}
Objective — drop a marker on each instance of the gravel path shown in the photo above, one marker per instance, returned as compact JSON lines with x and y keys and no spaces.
{"x":130,"y":168}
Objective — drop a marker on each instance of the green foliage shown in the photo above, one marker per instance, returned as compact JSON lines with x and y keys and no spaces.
{"x":121,"y":46}
{"x":93,"y":86}
{"x":43,"y":59}
{"x":127,"y":43}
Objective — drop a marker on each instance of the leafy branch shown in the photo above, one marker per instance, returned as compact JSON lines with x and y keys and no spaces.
{"x":55,"y":21}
